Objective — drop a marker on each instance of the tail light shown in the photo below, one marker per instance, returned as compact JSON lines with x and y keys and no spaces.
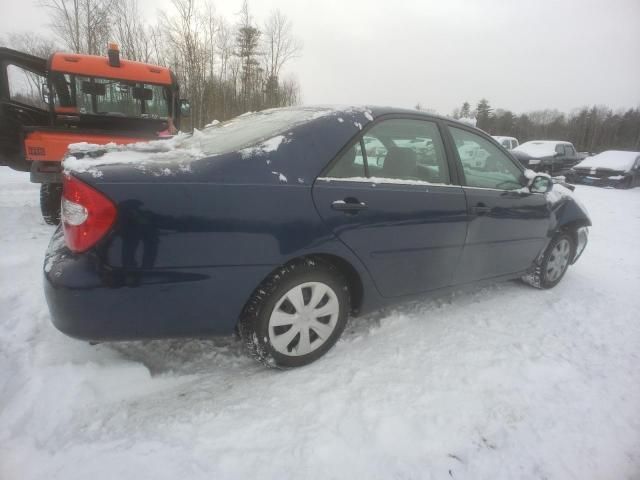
{"x":87,"y":215}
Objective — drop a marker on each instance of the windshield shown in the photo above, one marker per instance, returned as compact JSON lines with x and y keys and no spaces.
{"x":103,"y":96}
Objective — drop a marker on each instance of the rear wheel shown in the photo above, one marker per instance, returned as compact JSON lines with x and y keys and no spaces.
{"x":296,"y":315}
{"x":50,"y":198}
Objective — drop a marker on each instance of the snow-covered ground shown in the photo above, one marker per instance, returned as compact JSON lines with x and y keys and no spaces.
{"x":504,"y":382}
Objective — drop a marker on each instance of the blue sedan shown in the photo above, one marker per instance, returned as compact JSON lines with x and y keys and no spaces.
{"x":280,"y":224}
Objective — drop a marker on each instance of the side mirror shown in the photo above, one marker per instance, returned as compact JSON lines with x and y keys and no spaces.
{"x":185,"y":108}
{"x":541,"y":184}
{"x":45,"y":93}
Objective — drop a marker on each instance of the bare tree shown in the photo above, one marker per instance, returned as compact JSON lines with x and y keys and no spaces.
{"x":32,"y":43}
{"x":130,"y":31}
{"x":279,"y":47}
{"x":82,"y":25}
{"x":279,"y":44}
{"x":183,"y":33}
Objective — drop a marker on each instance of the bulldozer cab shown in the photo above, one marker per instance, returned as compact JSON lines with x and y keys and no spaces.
{"x":83,"y":95}
{"x":107,"y":93}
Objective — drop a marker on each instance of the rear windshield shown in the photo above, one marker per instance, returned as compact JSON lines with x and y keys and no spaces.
{"x":251,"y":129}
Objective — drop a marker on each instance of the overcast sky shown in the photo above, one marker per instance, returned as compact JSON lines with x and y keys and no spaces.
{"x":521,"y":55}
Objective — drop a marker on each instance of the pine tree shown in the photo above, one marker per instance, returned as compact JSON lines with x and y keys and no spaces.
{"x":483,"y":115}
{"x":465,"y":111}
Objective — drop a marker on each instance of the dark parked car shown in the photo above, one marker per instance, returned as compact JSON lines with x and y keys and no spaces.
{"x":548,"y":156}
{"x":612,"y":168}
{"x":276,"y":224}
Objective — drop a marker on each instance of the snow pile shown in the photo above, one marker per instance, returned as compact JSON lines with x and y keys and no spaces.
{"x":611,"y":159}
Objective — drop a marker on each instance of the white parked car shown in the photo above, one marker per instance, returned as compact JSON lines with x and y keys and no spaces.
{"x":507,"y":142}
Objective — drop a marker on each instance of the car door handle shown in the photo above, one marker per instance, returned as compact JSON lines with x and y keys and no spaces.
{"x":480,"y":209}
{"x":349,"y":205}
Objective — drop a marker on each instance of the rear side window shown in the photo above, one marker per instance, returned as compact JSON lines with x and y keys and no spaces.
{"x":25,"y":86}
{"x":350,"y":164}
{"x":397,"y":150}
{"x":484,"y":164}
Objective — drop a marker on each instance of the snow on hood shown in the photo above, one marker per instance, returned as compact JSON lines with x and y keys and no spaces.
{"x":538,"y":148}
{"x":250,"y":134}
{"x":612,"y":159}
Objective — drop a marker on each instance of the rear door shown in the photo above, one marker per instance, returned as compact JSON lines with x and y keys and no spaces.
{"x":389,"y":197}
{"x":22,"y":78}
{"x":507,"y":224}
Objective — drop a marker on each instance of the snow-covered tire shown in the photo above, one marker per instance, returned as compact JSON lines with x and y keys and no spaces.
{"x":550,"y":270}
{"x":50,"y":198}
{"x":276,"y":331}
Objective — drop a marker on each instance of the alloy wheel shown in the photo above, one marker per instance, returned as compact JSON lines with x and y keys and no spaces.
{"x":558,"y":260}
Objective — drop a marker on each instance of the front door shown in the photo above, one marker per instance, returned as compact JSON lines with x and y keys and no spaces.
{"x":508,"y":225}
{"x":21,"y":103}
{"x":388,"y":197}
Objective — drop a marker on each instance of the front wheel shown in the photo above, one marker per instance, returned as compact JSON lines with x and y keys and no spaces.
{"x":626,"y":183}
{"x":296,"y":315}
{"x":554,"y":264}
{"x":50,"y":198}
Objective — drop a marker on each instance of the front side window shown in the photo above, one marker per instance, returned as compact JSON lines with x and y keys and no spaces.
{"x":25,"y":86}
{"x":485,"y":165}
{"x":102,"y":96}
{"x":506,"y":144}
{"x":396,"y":150}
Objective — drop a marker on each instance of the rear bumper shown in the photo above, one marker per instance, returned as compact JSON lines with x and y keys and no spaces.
{"x":90,"y":301}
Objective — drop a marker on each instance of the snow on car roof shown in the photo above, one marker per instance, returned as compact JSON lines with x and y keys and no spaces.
{"x":613,"y":159}
{"x":540,"y":148}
